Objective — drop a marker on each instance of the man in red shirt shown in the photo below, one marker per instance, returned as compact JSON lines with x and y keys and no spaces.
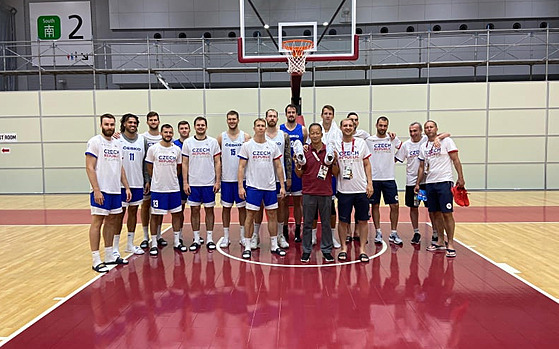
{"x":315,"y":173}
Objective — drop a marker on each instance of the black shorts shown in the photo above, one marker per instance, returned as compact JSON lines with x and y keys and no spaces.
{"x":440,"y":197}
{"x":346,"y":202}
{"x":410,"y":195}
{"x":332,"y":209}
{"x":389,"y":192}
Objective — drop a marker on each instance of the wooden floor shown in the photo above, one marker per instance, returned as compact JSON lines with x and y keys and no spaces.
{"x":41,"y":263}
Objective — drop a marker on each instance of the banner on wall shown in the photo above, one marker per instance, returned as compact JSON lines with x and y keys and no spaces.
{"x":61,"y":33}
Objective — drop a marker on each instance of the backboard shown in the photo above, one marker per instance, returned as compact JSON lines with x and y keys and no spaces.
{"x":267,"y":24}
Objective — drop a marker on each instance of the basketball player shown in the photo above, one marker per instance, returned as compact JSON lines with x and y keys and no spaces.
{"x":383,"y":150}
{"x":354,"y":186}
{"x":201,"y":174}
{"x":295,"y":132}
{"x":281,"y":139}
{"x":151,"y":136}
{"x":409,"y":152}
{"x":103,"y":164}
{"x":359,"y":133}
{"x":134,"y":152}
{"x":230,"y":142}
{"x":163,"y":160}
{"x":184,"y":132}
{"x":436,"y":165}
{"x":260,"y":157}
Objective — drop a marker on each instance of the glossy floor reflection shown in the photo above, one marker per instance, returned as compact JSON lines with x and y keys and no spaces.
{"x":406,"y":298}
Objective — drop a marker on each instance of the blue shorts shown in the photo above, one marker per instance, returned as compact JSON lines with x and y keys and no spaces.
{"x":255,"y":197}
{"x":163,"y":203}
{"x":202,"y":195}
{"x":296,"y":185}
{"x":439,"y":197}
{"x":184,"y":197}
{"x":137,"y":197}
{"x":112,"y":204}
{"x":230,"y":194}
{"x":389,"y":192}
{"x":346,"y":202}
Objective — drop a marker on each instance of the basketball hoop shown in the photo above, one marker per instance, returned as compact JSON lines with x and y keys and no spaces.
{"x":297,"y":54}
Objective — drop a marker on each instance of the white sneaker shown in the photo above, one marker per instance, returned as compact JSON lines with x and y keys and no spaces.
{"x":224,"y":243}
{"x":378,"y":238}
{"x":336,"y":243}
{"x":254,"y":242}
{"x":394,"y":238}
{"x":116,"y":253}
{"x":134,"y":249}
{"x":281,"y":241}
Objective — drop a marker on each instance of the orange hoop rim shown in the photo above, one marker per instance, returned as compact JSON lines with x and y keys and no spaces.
{"x":298,"y":46}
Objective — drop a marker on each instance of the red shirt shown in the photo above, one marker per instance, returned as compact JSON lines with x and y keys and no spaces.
{"x":312,"y":185}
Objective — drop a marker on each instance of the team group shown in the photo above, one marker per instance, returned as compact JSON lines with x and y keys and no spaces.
{"x":314,"y":166}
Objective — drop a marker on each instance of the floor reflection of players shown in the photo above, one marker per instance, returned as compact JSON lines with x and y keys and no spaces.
{"x":179,"y":297}
{"x":150,"y":273}
{"x":354,"y":323}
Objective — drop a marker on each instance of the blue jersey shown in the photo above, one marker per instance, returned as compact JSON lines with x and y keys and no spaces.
{"x":296,"y":134}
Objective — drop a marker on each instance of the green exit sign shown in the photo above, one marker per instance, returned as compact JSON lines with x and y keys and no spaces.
{"x":48,"y":28}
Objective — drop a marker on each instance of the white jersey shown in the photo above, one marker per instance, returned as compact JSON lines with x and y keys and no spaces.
{"x":351,"y":155}
{"x":361,"y":134}
{"x":333,"y":136}
{"x":383,"y":150}
{"x":165,"y":160}
{"x":260,"y":170}
{"x":279,"y":140}
{"x":109,"y":163}
{"x":438,"y":165}
{"x":230,"y":156}
{"x":134,"y":153}
{"x":409,"y":152}
{"x":150,"y":139}
{"x":201,"y":166}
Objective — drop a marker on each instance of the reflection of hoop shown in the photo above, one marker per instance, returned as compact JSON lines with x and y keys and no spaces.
{"x":297,"y":54}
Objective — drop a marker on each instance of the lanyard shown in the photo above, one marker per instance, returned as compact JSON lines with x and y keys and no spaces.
{"x":316,"y":156}
{"x":352,"y":145}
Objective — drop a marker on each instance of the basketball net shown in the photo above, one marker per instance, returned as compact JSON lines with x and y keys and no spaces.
{"x":297,"y":50}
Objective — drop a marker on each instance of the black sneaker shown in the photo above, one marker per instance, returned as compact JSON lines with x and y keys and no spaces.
{"x":416,"y":238}
{"x":305,"y":257}
{"x":328,"y":258}
{"x":297,"y":233}
{"x":286,"y":233}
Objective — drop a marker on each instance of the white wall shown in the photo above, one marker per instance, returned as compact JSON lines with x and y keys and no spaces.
{"x":507,"y":132}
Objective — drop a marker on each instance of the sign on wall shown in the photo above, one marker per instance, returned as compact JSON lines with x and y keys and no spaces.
{"x":61,"y":33}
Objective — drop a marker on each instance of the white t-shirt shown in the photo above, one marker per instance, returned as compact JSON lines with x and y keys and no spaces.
{"x":260,"y":170}
{"x":150,"y":139}
{"x":279,"y":140}
{"x":201,"y":166}
{"x":382,"y":152}
{"x":230,"y":156}
{"x":352,"y":154}
{"x":109,"y":163}
{"x":438,"y":165}
{"x":409,"y":151}
{"x":361,"y":134}
{"x":133,"y":160}
{"x":165,"y":160}
{"x":333,"y":136}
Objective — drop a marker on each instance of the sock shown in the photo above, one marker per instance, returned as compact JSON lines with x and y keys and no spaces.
{"x":313,"y":231}
{"x":209,"y":235}
{"x":226,"y":233}
{"x":379,"y":231}
{"x":109,"y":254}
{"x":154,"y":241}
{"x":131,"y":238}
{"x":146,"y":232}
{"x":242,"y":229}
{"x":246,"y":243}
{"x":177,"y":235}
{"x":158,"y":232}
{"x":393,"y":232}
{"x":416,"y":231}
{"x":256,"y":229}
{"x":274,"y":243}
{"x":96,"y":257}
{"x":197,"y":236}
{"x":180,"y":234}
{"x":116,"y":242}
{"x":280,"y":228}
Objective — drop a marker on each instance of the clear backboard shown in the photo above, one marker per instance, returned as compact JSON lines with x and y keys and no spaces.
{"x":267,"y":24}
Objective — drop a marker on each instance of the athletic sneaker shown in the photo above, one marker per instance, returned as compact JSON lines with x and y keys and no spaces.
{"x":336,"y":243}
{"x":328,"y":258}
{"x":254,"y":242}
{"x":134,"y":249}
{"x":116,"y":254}
{"x":224,"y":243}
{"x":282,"y":242}
{"x":306,"y":257}
{"x":394,"y":238}
{"x":416,"y":238}
{"x":378,"y":238}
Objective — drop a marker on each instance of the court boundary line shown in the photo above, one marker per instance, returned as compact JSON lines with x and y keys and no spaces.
{"x":378,"y":254}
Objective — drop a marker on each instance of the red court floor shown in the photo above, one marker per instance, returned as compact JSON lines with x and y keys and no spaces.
{"x":405,"y":298}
